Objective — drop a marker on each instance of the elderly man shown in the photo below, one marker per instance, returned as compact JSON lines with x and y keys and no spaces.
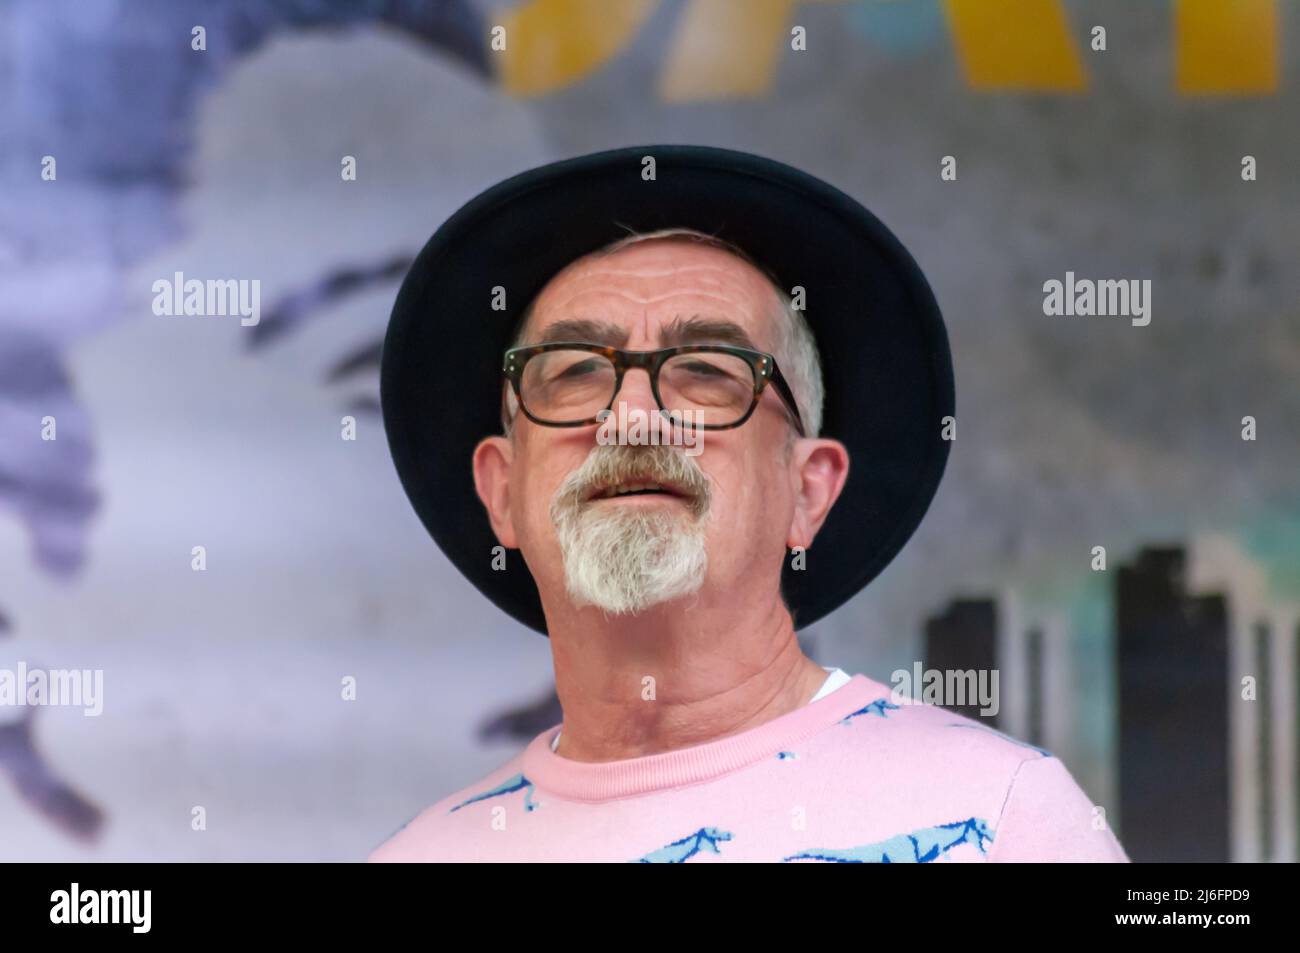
{"x":671,"y":583}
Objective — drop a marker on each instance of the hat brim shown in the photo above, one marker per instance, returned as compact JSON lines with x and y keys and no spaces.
{"x":884,"y":350}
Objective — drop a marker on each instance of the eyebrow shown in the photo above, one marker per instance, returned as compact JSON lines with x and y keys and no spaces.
{"x":693,"y":330}
{"x":583,"y":329}
{"x":700,"y":330}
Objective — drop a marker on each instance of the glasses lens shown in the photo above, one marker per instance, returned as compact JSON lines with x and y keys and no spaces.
{"x":717,"y":389}
{"x":566,"y":386}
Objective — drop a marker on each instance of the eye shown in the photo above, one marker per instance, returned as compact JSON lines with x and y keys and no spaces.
{"x":580,"y":369}
{"x":703,"y":369}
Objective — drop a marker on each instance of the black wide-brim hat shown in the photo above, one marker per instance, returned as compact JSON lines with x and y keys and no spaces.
{"x":881,"y":339}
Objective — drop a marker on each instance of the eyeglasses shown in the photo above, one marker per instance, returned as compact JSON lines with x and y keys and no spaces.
{"x":569,"y":384}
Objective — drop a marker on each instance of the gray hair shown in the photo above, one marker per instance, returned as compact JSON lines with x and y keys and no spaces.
{"x":795,"y":348}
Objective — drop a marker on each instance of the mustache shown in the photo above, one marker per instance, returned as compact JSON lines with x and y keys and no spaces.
{"x":617,"y":463}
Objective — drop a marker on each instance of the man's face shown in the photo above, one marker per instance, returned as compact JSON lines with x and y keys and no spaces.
{"x":732,"y":509}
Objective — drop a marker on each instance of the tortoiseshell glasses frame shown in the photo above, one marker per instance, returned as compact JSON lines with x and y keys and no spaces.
{"x":762,"y":366}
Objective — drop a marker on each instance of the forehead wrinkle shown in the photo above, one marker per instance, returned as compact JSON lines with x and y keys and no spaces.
{"x":729,"y":270}
{"x":653,"y":299}
{"x":642,"y":285}
{"x":571,"y":307}
{"x":596,"y":268}
{"x":732,"y":285}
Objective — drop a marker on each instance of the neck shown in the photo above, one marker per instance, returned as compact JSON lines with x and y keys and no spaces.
{"x":682,"y":674}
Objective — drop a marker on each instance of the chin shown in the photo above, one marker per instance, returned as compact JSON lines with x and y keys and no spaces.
{"x":634,"y":561}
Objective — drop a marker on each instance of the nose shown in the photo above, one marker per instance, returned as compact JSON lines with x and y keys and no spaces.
{"x":638,"y":399}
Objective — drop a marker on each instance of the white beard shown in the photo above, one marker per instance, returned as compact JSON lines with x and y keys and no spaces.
{"x":624,"y":560}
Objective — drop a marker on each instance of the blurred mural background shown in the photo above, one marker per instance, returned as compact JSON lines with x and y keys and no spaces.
{"x":1166,"y":682}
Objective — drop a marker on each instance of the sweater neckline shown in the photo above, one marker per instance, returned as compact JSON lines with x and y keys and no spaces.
{"x":836,"y":678}
{"x":603,"y":780}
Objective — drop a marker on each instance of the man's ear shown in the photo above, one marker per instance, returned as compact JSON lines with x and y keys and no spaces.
{"x":819,"y":467}
{"x":492,"y":459}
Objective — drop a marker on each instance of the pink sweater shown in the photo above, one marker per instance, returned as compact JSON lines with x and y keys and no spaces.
{"x":852,"y":777}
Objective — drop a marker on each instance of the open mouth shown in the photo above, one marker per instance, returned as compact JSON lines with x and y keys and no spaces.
{"x":635,"y":488}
